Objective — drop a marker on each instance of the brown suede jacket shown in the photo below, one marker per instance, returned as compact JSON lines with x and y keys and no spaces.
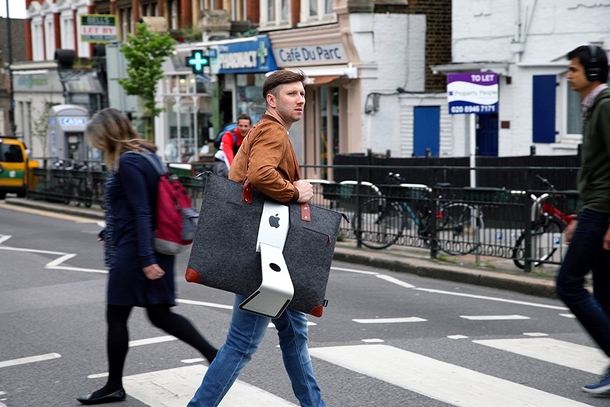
{"x":271,"y":168}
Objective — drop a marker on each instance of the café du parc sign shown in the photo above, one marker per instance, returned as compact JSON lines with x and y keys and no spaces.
{"x":99,"y":28}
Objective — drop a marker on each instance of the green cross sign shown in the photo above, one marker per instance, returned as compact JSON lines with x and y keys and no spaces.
{"x":198,"y":60}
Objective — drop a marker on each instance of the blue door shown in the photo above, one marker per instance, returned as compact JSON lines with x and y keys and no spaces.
{"x":487,"y":135}
{"x":543,"y":101}
{"x":426,"y":130}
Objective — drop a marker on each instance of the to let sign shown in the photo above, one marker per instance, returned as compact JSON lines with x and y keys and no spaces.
{"x":100,"y":28}
{"x":472,"y":93}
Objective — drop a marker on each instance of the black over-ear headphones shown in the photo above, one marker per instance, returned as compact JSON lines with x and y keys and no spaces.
{"x":592,"y":71}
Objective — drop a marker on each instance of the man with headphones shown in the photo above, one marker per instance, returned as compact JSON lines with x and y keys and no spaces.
{"x":589,"y":236}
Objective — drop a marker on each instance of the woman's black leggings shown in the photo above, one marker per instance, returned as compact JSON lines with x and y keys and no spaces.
{"x":162,"y":317}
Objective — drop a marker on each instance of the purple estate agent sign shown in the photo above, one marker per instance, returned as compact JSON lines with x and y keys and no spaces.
{"x":472,"y":93}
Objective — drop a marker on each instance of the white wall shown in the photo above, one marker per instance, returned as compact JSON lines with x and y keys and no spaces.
{"x":546,"y":30}
{"x":391,"y":50}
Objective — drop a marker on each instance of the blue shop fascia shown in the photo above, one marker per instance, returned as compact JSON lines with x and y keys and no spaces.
{"x":208,"y":85}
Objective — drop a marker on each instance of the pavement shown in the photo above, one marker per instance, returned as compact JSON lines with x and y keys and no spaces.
{"x":471,"y":269}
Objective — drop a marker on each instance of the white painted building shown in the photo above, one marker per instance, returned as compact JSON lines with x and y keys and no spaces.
{"x":525,"y":42}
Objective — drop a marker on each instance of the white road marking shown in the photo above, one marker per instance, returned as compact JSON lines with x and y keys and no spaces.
{"x":442,"y":381}
{"x":535,"y":334}
{"x":4,"y":238}
{"x":175,"y":388}
{"x":395,"y":281}
{"x":47,"y":213}
{"x":457,"y":337}
{"x":30,"y":359}
{"x":205,"y":304}
{"x":150,"y":341}
{"x":20,"y":249}
{"x":492,"y":317}
{"x":567,"y":316}
{"x":435,"y":291}
{"x":195,"y":360}
{"x":483,"y":297}
{"x":373,"y":340}
{"x":388,"y":320}
{"x":373,"y":273}
{"x":551,"y":350}
{"x":53,"y":264}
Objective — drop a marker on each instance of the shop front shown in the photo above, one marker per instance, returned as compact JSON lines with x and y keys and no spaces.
{"x":331,"y":78}
{"x":201,"y":104}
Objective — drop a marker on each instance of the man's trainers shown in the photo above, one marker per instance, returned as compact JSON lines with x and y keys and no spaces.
{"x":603,"y":386}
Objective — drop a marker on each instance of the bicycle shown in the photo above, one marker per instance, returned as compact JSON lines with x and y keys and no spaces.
{"x":385,"y":219}
{"x":547,"y":226}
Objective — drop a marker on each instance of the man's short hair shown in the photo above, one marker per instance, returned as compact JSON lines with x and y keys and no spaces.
{"x":282,"y":77}
{"x":244,"y":116}
{"x":583,"y":53}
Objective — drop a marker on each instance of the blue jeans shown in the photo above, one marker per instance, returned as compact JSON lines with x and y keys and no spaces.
{"x":245,"y":335}
{"x":585,"y":254}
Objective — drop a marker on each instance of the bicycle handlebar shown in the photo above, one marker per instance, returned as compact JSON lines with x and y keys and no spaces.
{"x":546,"y":182}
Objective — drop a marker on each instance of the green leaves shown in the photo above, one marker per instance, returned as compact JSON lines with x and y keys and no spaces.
{"x":145,"y":53}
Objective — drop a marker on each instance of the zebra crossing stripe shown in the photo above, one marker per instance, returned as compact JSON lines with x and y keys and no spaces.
{"x":551,"y":350}
{"x":175,"y":388}
{"x":443,"y":381}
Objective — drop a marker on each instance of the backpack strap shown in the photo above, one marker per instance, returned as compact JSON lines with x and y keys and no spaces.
{"x":154,"y":161}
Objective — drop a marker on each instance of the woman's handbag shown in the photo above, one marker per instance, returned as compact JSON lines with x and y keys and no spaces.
{"x":224,"y":253}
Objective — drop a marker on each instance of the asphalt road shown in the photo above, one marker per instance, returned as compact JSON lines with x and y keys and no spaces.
{"x":386,"y":339}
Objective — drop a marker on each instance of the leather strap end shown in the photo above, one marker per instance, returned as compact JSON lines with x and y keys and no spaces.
{"x":246,"y":195}
{"x":305,"y":212}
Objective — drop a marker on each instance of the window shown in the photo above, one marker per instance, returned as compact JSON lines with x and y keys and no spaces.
{"x":239,"y":10}
{"x":37,"y":41}
{"x":126,"y":23}
{"x":275,"y":12}
{"x":49,"y":37}
{"x":317,"y":10}
{"x":67,"y":33}
{"x":173,"y":15}
{"x":574,"y":114}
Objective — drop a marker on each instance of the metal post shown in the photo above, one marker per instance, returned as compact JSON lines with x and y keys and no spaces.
{"x":11,"y":111}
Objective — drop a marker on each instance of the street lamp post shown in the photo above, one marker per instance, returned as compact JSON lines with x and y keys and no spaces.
{"x":11,"y":111}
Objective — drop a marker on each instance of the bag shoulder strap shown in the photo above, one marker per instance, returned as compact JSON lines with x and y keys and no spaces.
{"x":154,"y":161}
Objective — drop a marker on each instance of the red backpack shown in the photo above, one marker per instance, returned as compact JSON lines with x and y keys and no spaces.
{"x":176,"y":219}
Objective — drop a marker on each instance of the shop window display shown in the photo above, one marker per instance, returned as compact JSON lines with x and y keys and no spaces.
{"x":249,"y":95}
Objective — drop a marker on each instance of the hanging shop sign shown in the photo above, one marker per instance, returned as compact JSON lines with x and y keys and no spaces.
{"x":475,"y":92}
{"x":98,"y":28}
{"x":246,"y":57}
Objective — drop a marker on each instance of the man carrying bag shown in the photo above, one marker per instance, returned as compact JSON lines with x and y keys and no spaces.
{"x":268,"y":162}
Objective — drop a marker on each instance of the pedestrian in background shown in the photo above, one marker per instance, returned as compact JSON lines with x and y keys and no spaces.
{"x":271,"y":164}
{"x":138,"y":276}
{"x":229,"y":145}
{"x":589,"y":235}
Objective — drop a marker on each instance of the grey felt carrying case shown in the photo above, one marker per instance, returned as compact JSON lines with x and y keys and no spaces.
{"x":224,"y":253}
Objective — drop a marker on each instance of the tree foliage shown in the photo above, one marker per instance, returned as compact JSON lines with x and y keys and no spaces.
{"x":145,"y":53}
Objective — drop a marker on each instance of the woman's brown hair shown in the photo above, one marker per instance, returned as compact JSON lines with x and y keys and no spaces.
{"x":110,"y":131}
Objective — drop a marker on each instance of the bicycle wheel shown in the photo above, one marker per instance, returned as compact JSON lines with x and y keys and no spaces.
{"x":457,"y":227}
{"x":381,"y":223}
{"x":546,"y":239}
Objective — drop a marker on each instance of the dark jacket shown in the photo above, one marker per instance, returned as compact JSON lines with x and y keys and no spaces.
{"x":594,"y":173}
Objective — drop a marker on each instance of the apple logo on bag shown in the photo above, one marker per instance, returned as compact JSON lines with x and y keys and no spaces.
{"x":274,"y":221}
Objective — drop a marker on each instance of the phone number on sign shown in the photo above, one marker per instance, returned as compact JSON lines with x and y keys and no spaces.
{"x":474,"y":109}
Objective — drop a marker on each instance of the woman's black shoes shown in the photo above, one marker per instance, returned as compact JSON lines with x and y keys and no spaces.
{"x":118,"y":395}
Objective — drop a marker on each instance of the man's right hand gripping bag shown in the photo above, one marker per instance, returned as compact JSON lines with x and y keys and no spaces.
{"x":224,"y":254}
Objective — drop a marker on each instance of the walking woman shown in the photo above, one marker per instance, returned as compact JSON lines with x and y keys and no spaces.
{"x":138,"y":276}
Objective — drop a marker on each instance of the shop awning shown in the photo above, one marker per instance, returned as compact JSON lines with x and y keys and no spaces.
{"x":321,"y":80}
